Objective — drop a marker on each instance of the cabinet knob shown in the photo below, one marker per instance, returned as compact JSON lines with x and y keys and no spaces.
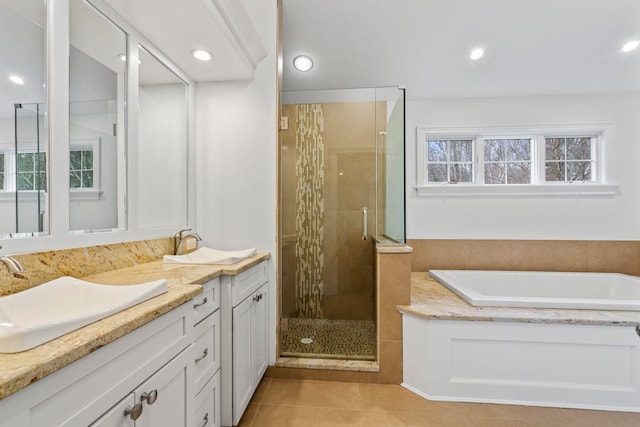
{"x":150,"y":397}
{"x":204,"y":354}
{"x":204,"y":301}
{"x":205,"y":420}
{"x":134,"y":412}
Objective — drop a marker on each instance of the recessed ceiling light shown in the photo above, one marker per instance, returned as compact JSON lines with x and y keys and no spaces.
{"x":202,"y":55}
{"x":16,"y":79}
{"x":629,"y":46}
{"x":476,"y":53}
{"x":303,"y":63}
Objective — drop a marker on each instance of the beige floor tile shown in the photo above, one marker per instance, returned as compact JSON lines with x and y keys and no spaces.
{"x":281,"y":416}
{"x":394,"y":398}
{"x":332,"y":417}
{"x":249,"y":415}
{"x":313,"y":393}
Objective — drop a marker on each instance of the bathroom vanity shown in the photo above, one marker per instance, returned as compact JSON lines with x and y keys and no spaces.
{"x":168,"y":372}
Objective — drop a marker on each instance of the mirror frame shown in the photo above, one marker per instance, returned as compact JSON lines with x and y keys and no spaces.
{"x":57,"y":50}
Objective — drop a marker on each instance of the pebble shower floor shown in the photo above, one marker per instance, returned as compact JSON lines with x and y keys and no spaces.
{"x":332,"y":339}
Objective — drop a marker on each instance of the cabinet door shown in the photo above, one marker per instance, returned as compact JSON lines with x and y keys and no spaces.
{"x":242,"y":375}
{"x":259,"y":347}
{"x":165,"y":395}
{"x":116,"y":417}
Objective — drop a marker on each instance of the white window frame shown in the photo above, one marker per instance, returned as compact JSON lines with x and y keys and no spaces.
{"x":8,"y":192}
{"x":603,"y":134}
{"x":94,"y":192}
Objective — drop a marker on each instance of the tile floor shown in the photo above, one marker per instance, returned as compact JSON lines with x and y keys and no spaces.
{"x":304,"y":403}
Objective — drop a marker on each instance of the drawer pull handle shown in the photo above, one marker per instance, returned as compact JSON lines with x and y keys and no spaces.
{"x":204,"y":354}
{"x":205,"y":419}
{"x":204,"y":301}
{"x":257,"y":298}
{"x":150,"y":397}
{"x":134,"y":412}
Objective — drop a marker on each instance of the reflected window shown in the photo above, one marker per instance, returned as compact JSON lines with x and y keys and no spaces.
{"x":83,"y":167}
{"x":31,"y":168}
{"x":2,"y":169}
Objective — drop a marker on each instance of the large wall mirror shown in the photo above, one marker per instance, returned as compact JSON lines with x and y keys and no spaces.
{"x":122,"y":152}
{"x":97,"y":70}
{"x":162,"y":145}
{"x":23,"y":119}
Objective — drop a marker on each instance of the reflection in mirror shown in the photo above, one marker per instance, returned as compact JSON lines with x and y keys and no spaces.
{"x":23,"y":134}
{"x":162,"y":139}
{"x":97,"y":67}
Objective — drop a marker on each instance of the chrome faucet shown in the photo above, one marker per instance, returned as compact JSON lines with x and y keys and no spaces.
{"x":179,"y":241}
{"x":12,"y":264}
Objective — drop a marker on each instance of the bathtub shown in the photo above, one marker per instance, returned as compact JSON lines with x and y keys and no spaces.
{"x":567,"y":358}
{"x":594,"y":291}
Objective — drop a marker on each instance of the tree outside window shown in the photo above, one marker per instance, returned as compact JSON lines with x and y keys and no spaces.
{"x":569,"y":159}
{"x":31,"y":174}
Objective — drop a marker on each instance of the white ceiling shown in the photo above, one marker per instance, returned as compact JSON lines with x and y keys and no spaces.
{"x":532,"y":47}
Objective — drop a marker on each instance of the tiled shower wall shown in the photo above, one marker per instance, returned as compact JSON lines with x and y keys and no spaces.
{"x":347,"y":135}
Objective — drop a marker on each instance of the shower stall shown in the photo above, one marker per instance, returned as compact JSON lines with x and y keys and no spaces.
{"x":341,"y":193}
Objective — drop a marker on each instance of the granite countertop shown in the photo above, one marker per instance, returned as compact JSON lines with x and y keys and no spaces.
{"x":431,"y":300}
{"x":18,"y":370}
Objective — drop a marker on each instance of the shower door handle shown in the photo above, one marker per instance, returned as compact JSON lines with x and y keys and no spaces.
{"x":364,"y":224}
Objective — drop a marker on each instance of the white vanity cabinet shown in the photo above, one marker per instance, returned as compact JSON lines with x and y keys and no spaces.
{"x":206,"y":356}
{"x":153,"y":360}
{"x":244,"y":340}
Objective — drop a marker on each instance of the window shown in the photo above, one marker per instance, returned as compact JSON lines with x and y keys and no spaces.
{"x":1,"y":171}
{"x":32,"y":175}
{"x":540,"y":161}
{"x":81,"y":169}
{"x":507,"y":161}
{"x":450,"y":160}
{"x":569,"y":159}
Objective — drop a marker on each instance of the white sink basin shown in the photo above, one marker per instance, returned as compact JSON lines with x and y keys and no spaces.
{"x":210,"y":256}
{"x":55,"y":308}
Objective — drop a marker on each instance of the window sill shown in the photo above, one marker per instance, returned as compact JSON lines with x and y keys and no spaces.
{"x":10,"y":196}
{"x":84,"y":195}
{"x":515,"y":191}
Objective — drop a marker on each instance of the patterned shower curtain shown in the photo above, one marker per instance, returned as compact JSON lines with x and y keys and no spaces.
{"x":309,"y":210}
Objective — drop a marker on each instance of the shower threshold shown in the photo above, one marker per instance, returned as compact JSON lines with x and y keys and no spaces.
{"x":329,"y":339}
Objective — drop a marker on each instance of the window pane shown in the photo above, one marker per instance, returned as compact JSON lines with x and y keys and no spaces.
{"x":461,"y":151}
{"x":87,"y":179}
{"x":461,"y":173}
{"x":42,"y":185}
{"x":25,"y":162}
{"x":554,"y":171}
{"x":519,"y":149}
{"x":437,"y":150}
{"x":437,"y":173}
{"x":554,"y":149}
{"x":87,"y":159}
{"x":75,"y":159}
{"x":494,"y":150}
{"x":579,"y":171}
{"x":74,"y":179}
{"x":519,"y":173}
{"x":25,"y":181}
{"x":42,"y":162}
{"x":579,"y":148}
{"x":494,"y":173}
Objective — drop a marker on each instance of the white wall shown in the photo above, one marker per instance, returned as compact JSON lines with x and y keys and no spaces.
{"x":615,"y":218}
{"x":236,"y":156}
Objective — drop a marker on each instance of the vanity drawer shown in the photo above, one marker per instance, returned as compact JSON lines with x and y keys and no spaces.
{"x":246,"y":283}
{"x":208,"y":301}
{"x":208,"y":404}
{"x":206,"y":349}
